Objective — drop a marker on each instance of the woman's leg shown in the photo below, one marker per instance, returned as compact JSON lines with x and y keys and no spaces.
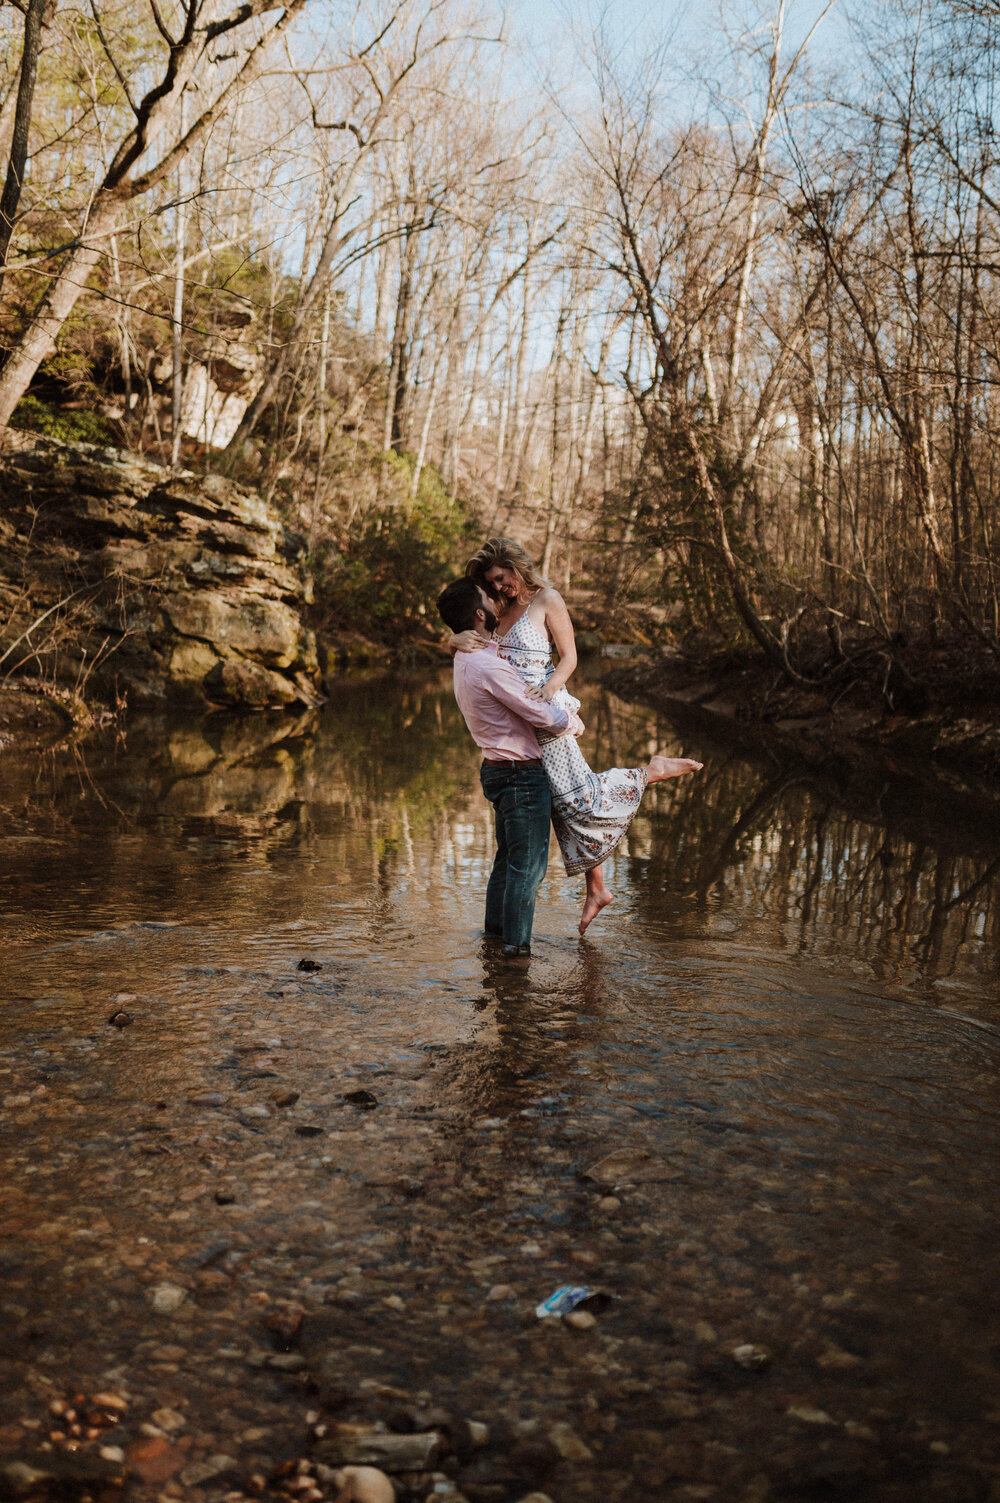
{"x":598,"y":896}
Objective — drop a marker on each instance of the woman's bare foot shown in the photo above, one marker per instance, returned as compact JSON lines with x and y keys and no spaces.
{"x":661,"y":768}
{"x":598,"y":897}
{"x":593,"y":906}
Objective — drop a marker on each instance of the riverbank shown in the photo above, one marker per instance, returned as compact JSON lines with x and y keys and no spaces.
{"x":935,"y":730}
{"x":37,"y":716}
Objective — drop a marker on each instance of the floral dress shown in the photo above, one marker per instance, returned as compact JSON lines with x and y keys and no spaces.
{"x":591,"y":811}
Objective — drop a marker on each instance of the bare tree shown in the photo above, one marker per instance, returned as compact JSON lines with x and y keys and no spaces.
{"x":149,"y":150}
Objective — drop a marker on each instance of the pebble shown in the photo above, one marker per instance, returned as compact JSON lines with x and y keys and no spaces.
{"x":62,"y":1473}
{"x":111,"y":1401}
{"x":500,"y":1291}
{"x":287,"y":1362}
{"x":168,"y":1352}
{"x":168,"y":1419}
{"x":363,"y":1484}
{"x":752,"y":1357}
{"x":372,"y":1448}
{"x":568,"y":1443}
{"x":609,"y":1205}
{"x":835,"y":1360}
{"x":204,"y":1471}
{"x":365,"y":1100}
{"x":167,"y":1298}
{"x":582,"y":1320}
{"x":810,"y":1416}
{"x":153,"y":1459}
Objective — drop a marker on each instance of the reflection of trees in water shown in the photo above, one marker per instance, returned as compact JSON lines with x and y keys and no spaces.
{"x":182,"y":807}
{"x":769,"y":845}
{"x":382,"y":789}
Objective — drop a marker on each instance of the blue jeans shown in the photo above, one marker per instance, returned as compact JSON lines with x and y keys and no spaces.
{"x":522,"y":804}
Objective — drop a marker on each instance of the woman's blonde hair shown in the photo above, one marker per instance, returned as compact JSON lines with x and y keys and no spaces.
{"x":506,"y":554}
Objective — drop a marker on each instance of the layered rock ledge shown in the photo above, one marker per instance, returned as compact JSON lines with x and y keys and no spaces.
{"x":121,"y":578}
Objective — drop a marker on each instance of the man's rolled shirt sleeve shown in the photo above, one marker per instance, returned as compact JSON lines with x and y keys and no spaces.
{"x":507,"y":685}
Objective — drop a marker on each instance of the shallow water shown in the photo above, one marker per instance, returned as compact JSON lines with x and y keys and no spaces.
{"x":786,"y":1028}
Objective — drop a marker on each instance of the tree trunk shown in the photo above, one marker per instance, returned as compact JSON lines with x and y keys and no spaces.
{"x":39,"y":339}
{"x":22,"y":122}
{"x":177,"y":324}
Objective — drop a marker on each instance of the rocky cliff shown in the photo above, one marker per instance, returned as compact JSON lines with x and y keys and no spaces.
{"x":120,"y":577}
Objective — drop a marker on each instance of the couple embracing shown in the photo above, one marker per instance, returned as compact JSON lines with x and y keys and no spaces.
{"x":505,"y":619}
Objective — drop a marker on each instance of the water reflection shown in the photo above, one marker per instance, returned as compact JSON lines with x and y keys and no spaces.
{"x":372,"y":810}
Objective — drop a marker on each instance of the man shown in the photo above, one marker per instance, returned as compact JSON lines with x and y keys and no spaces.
{"x":493,"y":698}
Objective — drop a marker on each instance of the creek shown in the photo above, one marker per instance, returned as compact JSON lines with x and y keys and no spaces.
{"x":756,"y":1106}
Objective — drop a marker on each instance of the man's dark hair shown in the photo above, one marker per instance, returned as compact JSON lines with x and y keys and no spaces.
{"x":458,"y":604}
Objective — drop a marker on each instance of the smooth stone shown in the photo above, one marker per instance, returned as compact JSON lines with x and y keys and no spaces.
{"x":568,"y":1443}
{"x":204,"y":1471}
{"x":363,"y":1484}
{"x":809,"y":1415}
{"x":168,"y":1419}
{"x":167,"y":1298}
{"x":751,"y":1357}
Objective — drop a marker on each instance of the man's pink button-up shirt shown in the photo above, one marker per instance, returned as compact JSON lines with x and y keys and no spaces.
{"x":492,"y":696}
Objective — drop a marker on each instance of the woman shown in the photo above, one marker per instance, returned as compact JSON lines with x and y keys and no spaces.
{"x":591,"y":811}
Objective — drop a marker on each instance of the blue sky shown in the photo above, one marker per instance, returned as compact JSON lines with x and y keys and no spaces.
{"x":695,"y":28}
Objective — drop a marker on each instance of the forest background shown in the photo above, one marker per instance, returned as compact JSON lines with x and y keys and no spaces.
{"x":707,"y":316}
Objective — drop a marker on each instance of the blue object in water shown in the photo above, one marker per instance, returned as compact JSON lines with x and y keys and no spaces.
{"x":563,"y":1300}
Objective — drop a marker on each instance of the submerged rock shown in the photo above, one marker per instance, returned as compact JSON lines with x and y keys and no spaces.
{"x":58,"y":1473}
{"x":364,"y":1484}
{"x":166,"y":1299}
{"x":395,"y":1453}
